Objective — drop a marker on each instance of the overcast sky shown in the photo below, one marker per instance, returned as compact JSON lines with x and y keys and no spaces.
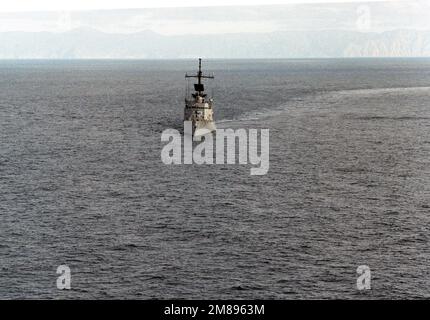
{"x":376,"y":16}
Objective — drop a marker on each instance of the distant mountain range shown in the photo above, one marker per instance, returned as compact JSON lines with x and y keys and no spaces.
{"x":87,"y":43}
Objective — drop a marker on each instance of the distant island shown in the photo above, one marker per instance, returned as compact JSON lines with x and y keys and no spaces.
{"x":87,"y":43}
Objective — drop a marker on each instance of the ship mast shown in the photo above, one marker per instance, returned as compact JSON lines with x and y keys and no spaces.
{"x":200,"y":71}
{"x":199,"y":86}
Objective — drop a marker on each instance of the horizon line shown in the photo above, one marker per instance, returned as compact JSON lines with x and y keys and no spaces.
{"x":192,"y":59}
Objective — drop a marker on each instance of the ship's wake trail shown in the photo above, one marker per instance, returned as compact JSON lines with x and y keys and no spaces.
{"x":317,"y":99}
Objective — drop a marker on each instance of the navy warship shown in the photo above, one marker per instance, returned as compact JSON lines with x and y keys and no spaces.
{"x":198,"y":106}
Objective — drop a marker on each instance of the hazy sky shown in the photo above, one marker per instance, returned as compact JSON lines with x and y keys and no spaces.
{"x":375,"y":16}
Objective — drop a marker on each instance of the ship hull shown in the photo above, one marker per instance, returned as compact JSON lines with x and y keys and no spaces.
{"x":203,"y":127}
{"x":200,"y":114}
{"x":198,"y":128}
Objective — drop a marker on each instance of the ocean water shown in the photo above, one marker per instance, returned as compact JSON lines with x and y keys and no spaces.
{"x":82,"y":182}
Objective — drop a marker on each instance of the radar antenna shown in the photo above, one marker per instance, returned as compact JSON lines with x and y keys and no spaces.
{"x":199,"y":87}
